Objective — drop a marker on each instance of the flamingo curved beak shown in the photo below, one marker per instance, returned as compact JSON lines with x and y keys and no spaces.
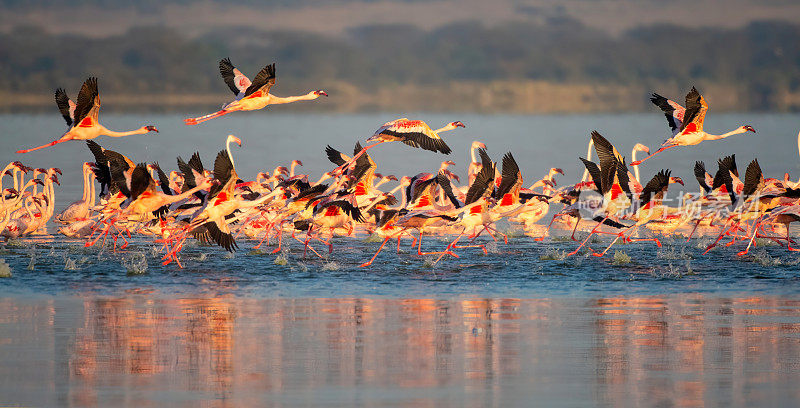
{"x":749,"y":128}
{"x":458,"y":124}
{"x":558,"y":170}
{"x":151,"y":128}
{"x":676,"y":180}
{"x":321,"y":92}
{"x":235,"y":140}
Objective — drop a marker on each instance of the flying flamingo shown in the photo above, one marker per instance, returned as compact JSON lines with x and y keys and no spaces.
{"x":611,"y":181}
{"x":650,"y":208}
{"x":687,"y":123}
{"x":82,"y":119}
{"x":414,"y":133}
{"x":251,"y":95}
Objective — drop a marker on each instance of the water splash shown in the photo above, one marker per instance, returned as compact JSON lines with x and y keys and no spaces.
{"x":282,"y":258}
{"x":70,"y":265}
{"x":331,"y":266}
{"x":5,"y":269}
{"x":764,"y":259}
{"x":552,"y":254}
{"x":135,"y":263}
{"x":372,"y":239}
{"x":673,"y":253}
{"x":620,"y":258}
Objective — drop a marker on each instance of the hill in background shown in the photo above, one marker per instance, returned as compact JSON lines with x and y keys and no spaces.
{"x":517,"y":56}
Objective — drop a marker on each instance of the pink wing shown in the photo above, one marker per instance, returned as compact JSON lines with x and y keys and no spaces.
{"x":241,"y":81}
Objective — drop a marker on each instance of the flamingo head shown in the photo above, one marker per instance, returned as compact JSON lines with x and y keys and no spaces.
{"x":54,"y":179}
{"x":405,"y":180}
{"x":320,"y":92}
{"x":676,"y":180}
{"x":548,"y":183}
{"x":151,"y":128}
{"x":557,"y":170}
{"x":21,"y":167}
{"x":641,"y":148}
{"x":8,"y":173}
{"x":391,"y":177}
{"x":56,"y":170}
{"x":38,"y":181}
{"x":297,"y":162}
{"x":457,"y":124}
{"x":748,"y":128}
{"x":10,"y":191}
{"x":234,"y":139}
{"x":281,"y":170}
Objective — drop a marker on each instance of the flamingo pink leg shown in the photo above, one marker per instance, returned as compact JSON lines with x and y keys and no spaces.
{"x":53,"y":143}
{"x":638,"y":162}
{"x":201,"y":119}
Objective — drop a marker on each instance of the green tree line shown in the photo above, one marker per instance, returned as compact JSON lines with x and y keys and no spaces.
{"x":761,"y":59}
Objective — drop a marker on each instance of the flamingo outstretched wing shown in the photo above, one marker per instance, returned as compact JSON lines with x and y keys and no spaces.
{"x":263,"y":81}
{"x":236,"y":81}
{"x":696,"y":108}
{"x":88,"y":104}
{"x":672,"y":110}
{"x":65,"y":105}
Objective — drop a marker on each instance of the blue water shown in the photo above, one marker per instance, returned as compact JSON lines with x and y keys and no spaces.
{"x":670,"y":327}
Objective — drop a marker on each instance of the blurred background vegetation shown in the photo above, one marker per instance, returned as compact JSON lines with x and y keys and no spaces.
{"x":544,"y":57}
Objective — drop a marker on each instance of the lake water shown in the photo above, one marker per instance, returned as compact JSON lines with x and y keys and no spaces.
{"x":516,"y":327}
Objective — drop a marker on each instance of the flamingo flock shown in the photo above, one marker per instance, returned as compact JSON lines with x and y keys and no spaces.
{"x":212,"y":204}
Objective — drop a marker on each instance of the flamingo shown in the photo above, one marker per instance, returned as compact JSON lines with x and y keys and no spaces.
{"x":687,"y":123}
{"x":80,"y":209}
{"x":414,"y":133}
{"x":251,"y":95}
{"x":474,"y":165}
{"x":82,"y":120}
{"x":650,"y":208}
{"x":611,"y":181}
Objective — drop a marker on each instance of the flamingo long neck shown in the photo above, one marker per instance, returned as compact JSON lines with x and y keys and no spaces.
{"x":475,"y":160}
{"x":736,"y":131}
{"x":588,"y":157}
{"x":113,"y":133}
{"x":11,"y":165}
{"x":17,"y":178}
{"x":447,"y":127}
{"x":85,"y":196}
{"x":321,"y":179}
{"x":35,"y":187}
{"x":379,"y":183}
{"x":404,"y":200}
{"x":92,"y":193}
{"x":50,"y":191}
{"x":274,"y":100}
{"x":291,"y":169}
{"x":636,"y":167}
{"x":169,"y":199}
{"x":230,"y":156}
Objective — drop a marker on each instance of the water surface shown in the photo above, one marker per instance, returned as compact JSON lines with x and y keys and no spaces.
{"x":650,"y":327}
